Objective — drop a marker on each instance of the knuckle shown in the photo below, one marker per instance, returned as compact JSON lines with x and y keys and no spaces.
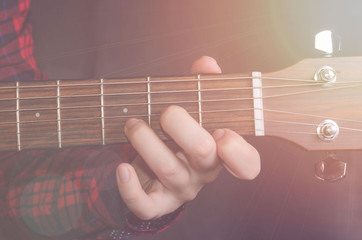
{"x":169,"y":170}
{"x":205,"y":149}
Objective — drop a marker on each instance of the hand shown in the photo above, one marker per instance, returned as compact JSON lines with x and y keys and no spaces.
{"x":159,"y":180}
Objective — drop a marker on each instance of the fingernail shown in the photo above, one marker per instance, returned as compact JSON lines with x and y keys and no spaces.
{"x":123,"y":174}
{"x":131,"y":122}
{"x":218,"y":134}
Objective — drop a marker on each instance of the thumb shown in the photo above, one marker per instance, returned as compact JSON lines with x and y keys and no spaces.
{"x":132,"y":193}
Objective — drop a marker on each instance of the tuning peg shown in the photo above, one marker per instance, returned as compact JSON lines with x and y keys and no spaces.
{"x":330,"y":169}
{"x":327,"y":42}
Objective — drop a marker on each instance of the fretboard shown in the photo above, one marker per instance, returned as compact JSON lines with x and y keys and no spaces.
{"x":56,"y":114}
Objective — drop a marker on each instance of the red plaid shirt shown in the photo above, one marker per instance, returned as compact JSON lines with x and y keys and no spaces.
{"x":59,"y":194}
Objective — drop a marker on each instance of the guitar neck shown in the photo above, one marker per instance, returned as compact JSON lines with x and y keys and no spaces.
{"x":56,"y":114}
{"x":290,"y":104}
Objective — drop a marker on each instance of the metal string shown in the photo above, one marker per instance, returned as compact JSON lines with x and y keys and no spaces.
{"x":205,"y":122}
{"x":169,"y":81}
{"x":178,"y":102}
{"x":182,"y":102}
{"x":193,"y":90}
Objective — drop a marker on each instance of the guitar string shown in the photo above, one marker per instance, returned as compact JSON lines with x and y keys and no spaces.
{"x":269,"y":96}
{"x":135,"y":82}
{"x":252,"y":131}
{"x":311,"y":115}
{"x":118,"y":124}
{"x":195,"y":113}
{"x":175,"y":102}
{"x":179,"y":102}
{"x":157,"y":114}
{"x":163,"y":92}
{"x":177,"y":91}
{"x":132,"y":82}
{"x":118,"y":116}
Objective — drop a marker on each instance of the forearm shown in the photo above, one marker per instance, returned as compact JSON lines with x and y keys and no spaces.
{"x":64,"y":192}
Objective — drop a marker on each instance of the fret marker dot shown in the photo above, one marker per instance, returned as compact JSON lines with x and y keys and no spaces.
{"x":37,"y":114}
{"x":125,"y":110}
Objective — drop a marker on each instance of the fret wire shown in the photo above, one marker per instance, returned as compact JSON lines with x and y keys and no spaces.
{"x":149,"y":100}
{"x":18,"y":117}
{"x":59,"y":131}
{"x":102,"y":112}
{"x":131,"y":82}
{"x":184,"y":91}
{"x":199,"y":99}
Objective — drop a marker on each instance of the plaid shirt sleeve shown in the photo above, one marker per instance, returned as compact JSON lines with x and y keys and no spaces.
{"x":59,"y":194}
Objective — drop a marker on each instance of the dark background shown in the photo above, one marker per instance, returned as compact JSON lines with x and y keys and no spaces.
{"x":112,"y":38}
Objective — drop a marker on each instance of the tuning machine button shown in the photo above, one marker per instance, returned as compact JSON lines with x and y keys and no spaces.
{"x":328,"y":130}
{"x":326,"y":74}
{"x":330,"y":169}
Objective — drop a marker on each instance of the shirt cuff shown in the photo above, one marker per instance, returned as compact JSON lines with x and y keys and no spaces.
{"x":136,"y":226}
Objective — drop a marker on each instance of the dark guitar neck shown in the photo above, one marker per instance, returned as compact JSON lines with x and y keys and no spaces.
{"x":55,"y":114}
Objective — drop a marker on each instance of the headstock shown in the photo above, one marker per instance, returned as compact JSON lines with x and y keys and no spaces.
{"x":317,"y":109}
